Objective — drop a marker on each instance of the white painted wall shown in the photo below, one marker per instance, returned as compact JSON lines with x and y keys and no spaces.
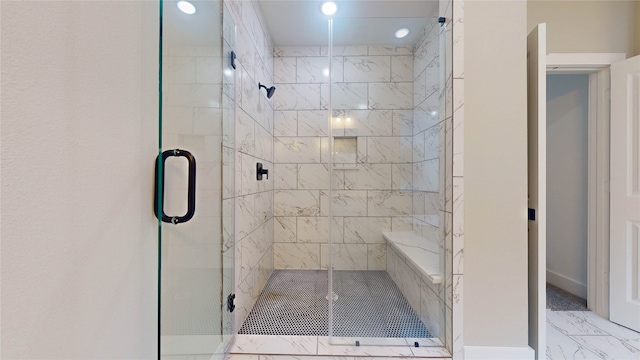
{"x":495,"y":170}
{"x":588,"y":26}
{"x":567,"y":117}
{"x":79,"y":130}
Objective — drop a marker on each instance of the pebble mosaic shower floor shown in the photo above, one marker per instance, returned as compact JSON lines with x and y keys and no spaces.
{"x":369,"y":304}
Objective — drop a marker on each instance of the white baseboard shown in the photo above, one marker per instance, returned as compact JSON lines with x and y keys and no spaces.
{"x":498,"y":353}
{"x":567,"y":284}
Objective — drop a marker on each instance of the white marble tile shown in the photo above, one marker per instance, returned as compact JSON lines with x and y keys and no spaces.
{"x":315,"y":70}
{"x":432,"y":141}
{"x":296,"y":203}
{"x":316,"y":229}
{"x":301,"y":357}
{"x":313,"y":123}
{"x":431,"y":310}
{"x":427,"y":52}
{"x":285,"y":176}
{"x":344,"y":256}
{"x":389,"y":203}
{"x":608,"y":347}
{"x":345,"y":51}
{"x":368,"y":123}
{"x":297,"y":97}
{"x":426,"y":115}
{"x":454,"y":324}
{"x":275,"y":344}
{"x":367,"y":69}
{"x":390,"y":50}
{"x":458,"y":39}
{"x":366,"y":229}
{"x":264,"y":207}
{"x":345,"y":96}
{"x":208,"y":70}
{"x":425,"y":175}
{"x":376,"y":256}
{"x":458,"y":225}
{"x":445,"y":10}
{"x":362,"y":155}
{"x":297,"y":150}
{"x":404,"y":223}
{"x":432,"y":85}
{"x":281,"y":51}
{"x":369,"y":177}
{"x":458,"y":128}
{"x":194,"y":95}
{"x":398,"y":95}
{"x":241,"y":357}
{"x":401,"y":176}
{"x":430,"y":351}
{"x":325,"y":348}
{"x":179,"y":70}
{"x":284,"y":229}
{"x":245,"y":215}
{"x":420,"y":89}
{"x":620,"y":332}
{"x":207,"y":121}
{"x":313,"y":176}
{"x":408,"y":283}
{"x":419,"y":147}
{"x":284,"y":70}
{"x":296,"y":256}
{"x":245,"y":133}
{"x":249,"y":94}
{"x":247,"y":169}
{"x":572,"y":323}
{"x":401,"y":68}
{"x":389,"y":149}
{"x":264,"y":144}
{"x":346,"y":203}
{"x":285,"y":123}
{"x":402,"y":122}
{"x":561,"y":346}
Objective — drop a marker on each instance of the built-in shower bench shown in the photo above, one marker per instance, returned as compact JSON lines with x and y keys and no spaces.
{"x":423,"y":254}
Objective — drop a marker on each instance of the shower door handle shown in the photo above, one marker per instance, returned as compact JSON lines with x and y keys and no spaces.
{"x":191,"y":191}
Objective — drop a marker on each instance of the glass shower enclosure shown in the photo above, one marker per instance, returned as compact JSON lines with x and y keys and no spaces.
{"x":195,"y":180}
{"x":389,"y":157}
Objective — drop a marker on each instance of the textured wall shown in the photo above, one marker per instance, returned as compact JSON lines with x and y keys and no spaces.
{"x":588,"y":26}
{"x":79,"y":136}
{"x":373,"y":102}
{"x":253,"y":143}
{"x":495,"y":175}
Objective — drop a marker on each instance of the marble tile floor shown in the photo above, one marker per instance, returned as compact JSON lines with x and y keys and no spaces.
{"x":585,"y":335}
{"x":270,"y":347}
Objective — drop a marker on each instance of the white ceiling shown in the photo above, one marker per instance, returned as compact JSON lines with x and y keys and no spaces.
{"x":358,"y":22}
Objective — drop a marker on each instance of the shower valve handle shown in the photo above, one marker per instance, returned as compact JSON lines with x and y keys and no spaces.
{"x":261,"y":171}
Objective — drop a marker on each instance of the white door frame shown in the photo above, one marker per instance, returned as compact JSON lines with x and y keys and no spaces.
{"x":596,"y":65}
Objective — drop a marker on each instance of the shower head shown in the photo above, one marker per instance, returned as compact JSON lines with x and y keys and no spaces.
{"x":270,"y":90}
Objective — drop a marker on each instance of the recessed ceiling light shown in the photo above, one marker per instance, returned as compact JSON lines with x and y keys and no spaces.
{"x":402,"y":33}
{"x":186,"y":7}
{"x":329,"y":8}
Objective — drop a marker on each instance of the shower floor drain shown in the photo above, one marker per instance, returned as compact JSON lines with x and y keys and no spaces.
{"x":369,"y":304}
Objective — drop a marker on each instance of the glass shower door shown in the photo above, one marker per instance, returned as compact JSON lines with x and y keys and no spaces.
{"x":389,"y":201}
{"x":194,"y":182}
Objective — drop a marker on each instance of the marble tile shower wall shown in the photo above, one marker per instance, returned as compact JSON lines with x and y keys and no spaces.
{"x":254,"y":226}
{"x":373,"y":111}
